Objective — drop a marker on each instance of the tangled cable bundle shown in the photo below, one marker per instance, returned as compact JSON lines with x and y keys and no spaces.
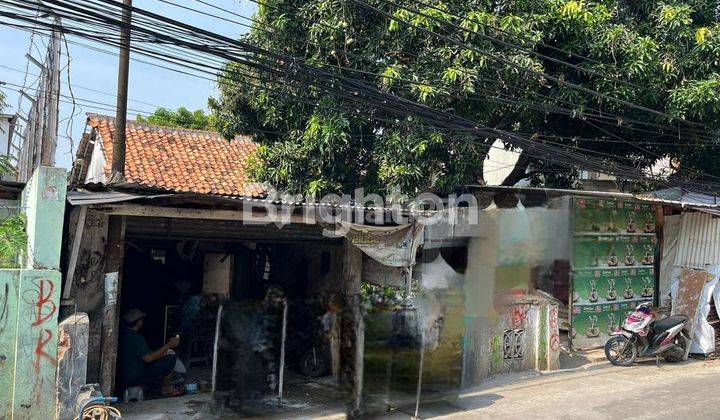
{"x":100,"y":412}
{"x":203,"y":53}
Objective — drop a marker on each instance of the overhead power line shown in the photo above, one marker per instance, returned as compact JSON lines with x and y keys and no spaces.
{"x":342,"y":87}
{"x":600,"y":116}
{"x":421,"y":107}
{"x":510,"y":63}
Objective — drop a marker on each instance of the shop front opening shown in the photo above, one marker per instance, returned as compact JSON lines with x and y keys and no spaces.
{"x":257,"y":322}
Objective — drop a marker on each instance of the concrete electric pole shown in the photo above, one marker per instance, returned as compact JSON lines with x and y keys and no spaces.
{"x":118,"y":158}
{"x":49,"y":139}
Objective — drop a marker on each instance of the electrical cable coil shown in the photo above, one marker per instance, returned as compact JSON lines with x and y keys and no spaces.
{"x":100,"y":412}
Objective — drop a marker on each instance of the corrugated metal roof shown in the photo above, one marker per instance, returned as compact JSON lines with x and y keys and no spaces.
{"x":80,"y":198}
{"x":87,"y":197}
{"x":699,"y":242}
{"x":684,"y":196}
{"x":675,"y":197}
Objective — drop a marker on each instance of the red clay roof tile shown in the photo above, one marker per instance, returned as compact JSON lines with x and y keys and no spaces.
{"x":181,"y":160}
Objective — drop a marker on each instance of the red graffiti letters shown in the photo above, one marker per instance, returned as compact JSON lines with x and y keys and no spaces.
{"x":518,"y":315}
{"x":44,"y":307}
{"x":41,"y":310}
{"x":44,"y":337}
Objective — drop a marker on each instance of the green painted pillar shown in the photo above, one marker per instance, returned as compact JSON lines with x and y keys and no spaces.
{"x":29,"y":303}
{"x":9,"y":282}
{"x":36,"y":349}
{"x":43,"y":202}
{"x":36,"y":360}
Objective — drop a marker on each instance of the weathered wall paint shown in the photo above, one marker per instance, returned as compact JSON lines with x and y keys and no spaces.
{"x":88,"y":280}
{"x":29,"y":304}
{"x":72,"y":363}
{"x":36,"y":363}
{"x":506,"y":248}
{"x":9,"y":282}
{"x":43,"y":201}
{"x":543,"y":339}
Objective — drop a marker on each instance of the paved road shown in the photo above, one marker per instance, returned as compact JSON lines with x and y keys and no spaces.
{"x":644,"y":391}
{"x":688,"y":390}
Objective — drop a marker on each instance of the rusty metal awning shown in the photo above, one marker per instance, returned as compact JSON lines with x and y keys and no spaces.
{"x":84,"y":197}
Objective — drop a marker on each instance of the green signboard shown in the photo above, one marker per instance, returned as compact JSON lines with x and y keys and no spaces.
{"x":614,"y":246}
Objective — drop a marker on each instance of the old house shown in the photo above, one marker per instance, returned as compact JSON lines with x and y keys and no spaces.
{"x":187,"y":223}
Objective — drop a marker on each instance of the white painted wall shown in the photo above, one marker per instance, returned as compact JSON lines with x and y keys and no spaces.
{"x":4,"y":133}
{"x":499,"y":163}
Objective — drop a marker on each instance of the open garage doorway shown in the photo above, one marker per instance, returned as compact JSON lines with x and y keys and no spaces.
{"x":256,"y":319}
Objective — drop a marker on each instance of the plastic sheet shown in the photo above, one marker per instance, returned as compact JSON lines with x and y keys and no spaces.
{"x":703,"y":338}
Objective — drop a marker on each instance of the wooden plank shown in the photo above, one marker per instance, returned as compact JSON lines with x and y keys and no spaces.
{"x":74,"y":251}
{"x":72,"y":363}
{"x":36,"y":365}
{"x":9,"y":283}
{"x":351,"y":325}
{"x":203,"y":214}
{"x":111,"y":317}
{"x":351,"y":269}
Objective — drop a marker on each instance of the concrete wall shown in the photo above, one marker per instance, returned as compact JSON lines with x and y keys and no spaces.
{"x":88,"y":288}
{"x":508,"y":248}
{"x":29,"y":303}
{"x":43,"y":201}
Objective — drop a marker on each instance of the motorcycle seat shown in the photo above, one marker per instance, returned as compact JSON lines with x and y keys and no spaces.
{"x":669,"y":322}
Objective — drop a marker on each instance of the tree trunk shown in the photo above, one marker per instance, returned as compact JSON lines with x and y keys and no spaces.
{"x":519,"y":172}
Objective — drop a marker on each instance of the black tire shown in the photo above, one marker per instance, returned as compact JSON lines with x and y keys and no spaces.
{"x":314,"y":364}
{"x":679,"y":354}
{"x":615,"y":354}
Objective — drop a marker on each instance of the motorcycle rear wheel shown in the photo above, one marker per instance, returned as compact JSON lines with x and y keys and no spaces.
{"x":313,"y":363}
{"x":676,"y":356}
{"x":620,"y":351}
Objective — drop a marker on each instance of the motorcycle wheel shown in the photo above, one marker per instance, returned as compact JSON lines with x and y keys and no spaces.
{"x":679,"y":353}
{"x":313,"y":364}
{"x":615,"y":354}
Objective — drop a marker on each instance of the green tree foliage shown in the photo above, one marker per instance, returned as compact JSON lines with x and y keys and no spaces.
{"x":180,"y":118}
{"x":13,"y":241}
{"x":13,"y":238}
{"x":660,"y":55}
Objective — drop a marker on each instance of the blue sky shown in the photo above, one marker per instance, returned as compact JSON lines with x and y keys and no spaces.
{"x":92,"y":71}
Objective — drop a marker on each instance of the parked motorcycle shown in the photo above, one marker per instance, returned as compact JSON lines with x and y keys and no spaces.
{"x":308,"y":351}
{"x":641,"y":335}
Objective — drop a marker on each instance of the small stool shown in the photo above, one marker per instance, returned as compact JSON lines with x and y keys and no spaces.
{"x":134,"y":394}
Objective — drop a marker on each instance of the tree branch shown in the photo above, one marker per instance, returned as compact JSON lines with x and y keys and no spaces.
{"x":519,"y":170}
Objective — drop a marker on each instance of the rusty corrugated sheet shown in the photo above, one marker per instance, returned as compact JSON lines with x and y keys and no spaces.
{"x":699,"y":242}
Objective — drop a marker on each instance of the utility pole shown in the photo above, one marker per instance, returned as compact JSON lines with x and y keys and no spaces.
{"x":39,"y":138}
{"x":49,"y":139}
{"x":118,"y":163}
{"x":38,"y":115}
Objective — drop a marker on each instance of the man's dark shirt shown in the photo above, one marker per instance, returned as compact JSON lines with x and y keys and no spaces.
{"x":133,"y":348}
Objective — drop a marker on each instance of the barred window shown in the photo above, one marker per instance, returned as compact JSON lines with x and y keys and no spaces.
{"x":513,"y":344}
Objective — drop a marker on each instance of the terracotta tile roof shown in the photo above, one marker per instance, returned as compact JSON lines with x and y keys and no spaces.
{"x":180,"y":160}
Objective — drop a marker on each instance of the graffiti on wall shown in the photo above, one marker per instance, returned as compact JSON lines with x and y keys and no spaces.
{"x":4,"y":308}
{"x":554,"y":330}
{"x":518,"y":315}
{"x":40,"y":311}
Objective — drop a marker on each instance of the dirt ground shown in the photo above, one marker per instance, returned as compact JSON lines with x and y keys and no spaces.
{"x":594,"y":390}
{"x":302,"y":399}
